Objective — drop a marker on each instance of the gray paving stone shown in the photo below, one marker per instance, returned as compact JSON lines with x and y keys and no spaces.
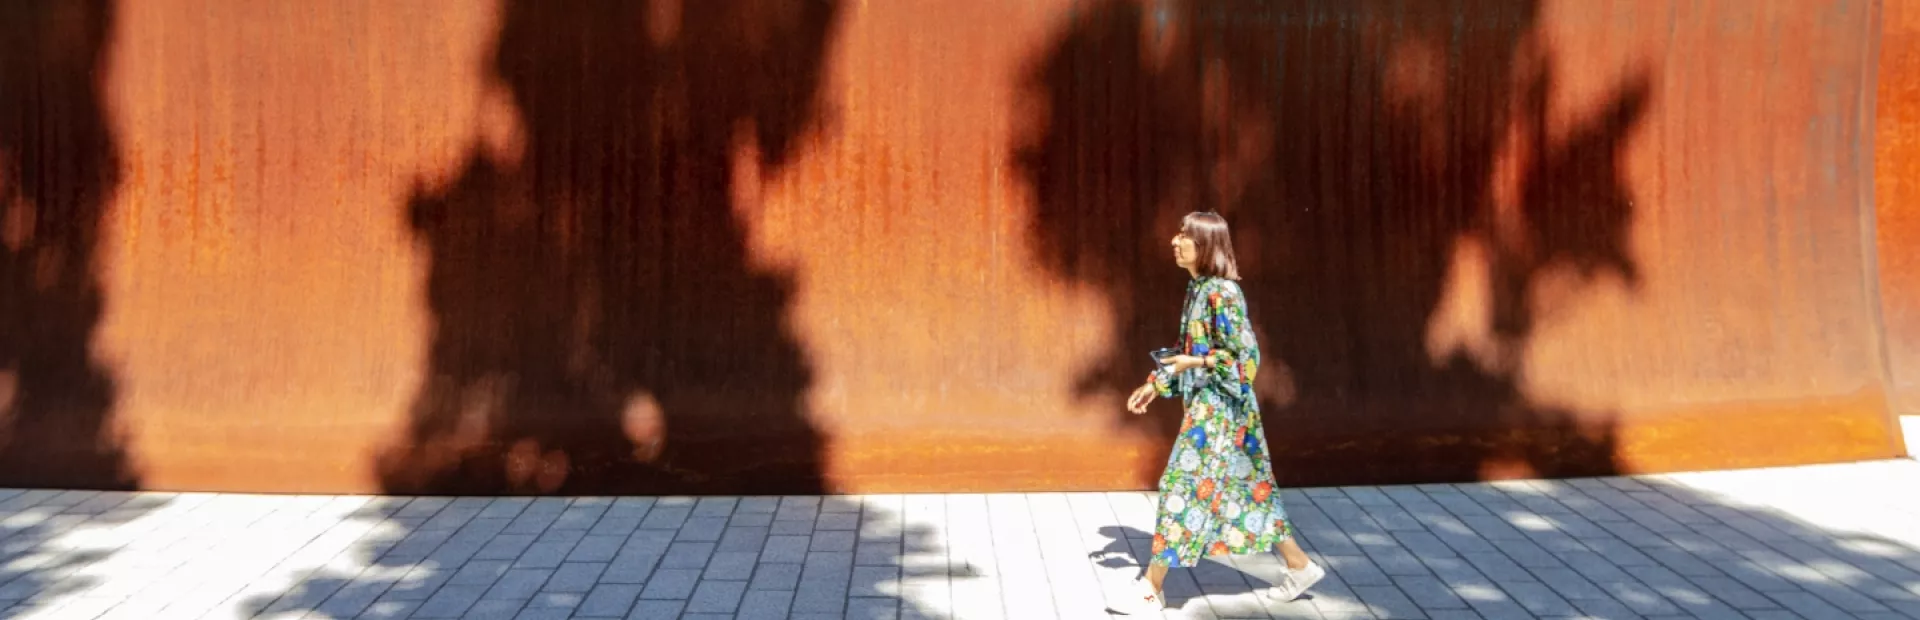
{"x":631,"y":567}
{"x":776,"y":577}
{"x":1454,"y":571}
{"x":451,"y":601}
{"x":824,"y":582}
{"x":1619,"y":552}
{"x":1386,"y":601}
{"x":1842,"y":597}
{"x":1395,"y":560}
{"x":873,"y":609}
{"x":575,"y":577}
{"x":830,"y":521}
{"x":663,"y":517}
{"x":1753,"y":575}
{"x":630,"y":507}
{"x":752,"y":505}
{"x":1734,"y":593}
{"x":545,"y":613}
{"x":687,"y":555}
{"x":1395,"y":519}
{"x":1213,"y":571}
{"x":557,"y":600}
{"x":1569,"y":584}
{"x":480,"y":572}
{"x":545,"y":555}
{"x":782,"y":549}
{"x":1503,"y":610}
{"x":553,"y":535}
{"x":451,"y":518}
{"x":1327,"y":540}
{"x":1681,"y":561}
{"x":493,"y":610}
{"x":715,"y":506}
{"x":580,"y":516}
{"x":1593,"y":566}
{"x":611,"y":525}
{"x":797,"y":508}
{"x":717,"y":596}
{"x":877,"y":581}
{"x":1498,"y":567}
{"x":835,"y":541}
{"x":878,"y":554}
{"x":1809,"y":605}
{"x":765,"y":604}
{"x":1538,"y":598}
{"x":649,"y":541}
{"x":840,"y":503}
{"x":608,"y":601}
{"x":598,"y":548}
{"x":537,"y":516}
{"x":1429,"y":592}
{"x":648,"y":609}
{"x":671,"y":583}
{"x":505,"y":507}
{"x":1640,"y":598}
{"x":505,"y":547}
{"x":385,"y":609}
{"x":1356,"y":570}
{"x":791,"y":527}
{"x":1527,"y":554}
{"x":743,"y":538}
{"x":732,"y":565}
{"x":419,"y":584}
{"x":1423,"y":544}
{"x":702,"y":529}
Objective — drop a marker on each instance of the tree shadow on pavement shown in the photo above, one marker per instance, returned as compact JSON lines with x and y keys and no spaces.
{"x":635,"y":557}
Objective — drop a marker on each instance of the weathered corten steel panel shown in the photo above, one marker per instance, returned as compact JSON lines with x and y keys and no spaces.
{"x":1897,"y":198}
{"x":528,"y":246}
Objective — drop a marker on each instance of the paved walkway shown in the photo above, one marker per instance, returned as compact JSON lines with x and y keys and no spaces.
{"x":1815,"y":542}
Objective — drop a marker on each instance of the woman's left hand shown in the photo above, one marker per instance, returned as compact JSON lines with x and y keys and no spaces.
{"x":1182,"y":363}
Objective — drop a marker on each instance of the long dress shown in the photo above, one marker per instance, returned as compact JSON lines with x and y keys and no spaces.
{"x":1217,"y":495}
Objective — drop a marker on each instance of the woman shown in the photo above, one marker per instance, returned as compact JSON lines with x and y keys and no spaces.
{"x":1217,"y":495}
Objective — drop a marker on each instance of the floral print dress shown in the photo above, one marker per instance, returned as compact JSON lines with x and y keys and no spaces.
{"x":1217,"y":495}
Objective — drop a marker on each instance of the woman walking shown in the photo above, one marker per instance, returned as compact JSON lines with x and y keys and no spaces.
{"x":1217,"y":494}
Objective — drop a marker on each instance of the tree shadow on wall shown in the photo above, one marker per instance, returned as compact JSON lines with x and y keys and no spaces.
{"x":598,"y":325}
{"x":1358,"y":149}
{"x":58,"y":169}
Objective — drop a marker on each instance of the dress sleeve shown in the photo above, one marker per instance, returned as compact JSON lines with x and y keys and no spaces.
{"x":1162,"y":379}
{"x":1229,"y":347}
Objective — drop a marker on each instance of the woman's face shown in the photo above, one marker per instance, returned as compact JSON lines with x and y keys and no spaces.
{"x":1184,"y":253}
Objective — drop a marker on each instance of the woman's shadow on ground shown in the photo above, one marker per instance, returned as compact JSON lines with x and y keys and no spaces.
{"x":1128,"y":547}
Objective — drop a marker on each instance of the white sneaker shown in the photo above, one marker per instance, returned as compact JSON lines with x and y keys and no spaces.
{"x":1142,"y":600}
{"x":1296,"y":583}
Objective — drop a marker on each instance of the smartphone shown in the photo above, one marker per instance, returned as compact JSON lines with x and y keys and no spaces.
{"x":1160,"y":356}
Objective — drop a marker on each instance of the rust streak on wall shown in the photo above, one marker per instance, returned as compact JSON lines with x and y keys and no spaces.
{"x":1897,"y":197}
{"x":793,"y":246}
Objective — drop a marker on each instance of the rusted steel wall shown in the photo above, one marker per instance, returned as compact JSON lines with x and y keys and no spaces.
{"x":1897,"y":198}
{"x":523,"y":246}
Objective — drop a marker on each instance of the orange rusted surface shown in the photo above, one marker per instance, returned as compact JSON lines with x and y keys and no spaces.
{"x":786,"y":246}
{"x":1897,"y":197}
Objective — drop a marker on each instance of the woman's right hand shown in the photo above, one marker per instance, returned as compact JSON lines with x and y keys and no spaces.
{"x":1137,"y":403}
